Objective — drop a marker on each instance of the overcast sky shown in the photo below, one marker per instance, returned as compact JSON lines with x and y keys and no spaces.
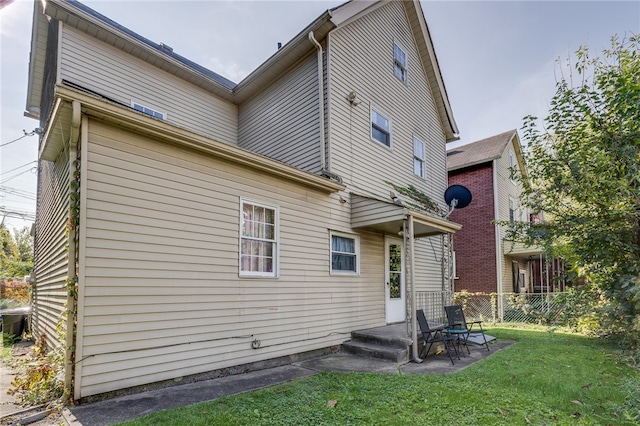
{"x":498,"y":59}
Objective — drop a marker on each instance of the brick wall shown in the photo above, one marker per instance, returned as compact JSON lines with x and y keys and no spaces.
{"x":475,"y":244}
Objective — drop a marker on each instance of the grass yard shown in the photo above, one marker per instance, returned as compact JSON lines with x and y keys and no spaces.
{"x":547,"y":378}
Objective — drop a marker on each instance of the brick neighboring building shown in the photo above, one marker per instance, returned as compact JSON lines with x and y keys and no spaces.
{"x":486,"y":261}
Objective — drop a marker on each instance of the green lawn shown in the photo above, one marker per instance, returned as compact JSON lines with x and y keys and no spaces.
{"x":544,"y":379}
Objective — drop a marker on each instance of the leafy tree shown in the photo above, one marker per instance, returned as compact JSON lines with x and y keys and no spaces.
{"x":24,"y":244}
{"x":584,"y":174}
{"x":16,"y":257}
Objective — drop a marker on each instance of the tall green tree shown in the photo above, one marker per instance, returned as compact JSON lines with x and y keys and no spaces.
{"x":584,"y":174}
{"x":16,"y":257}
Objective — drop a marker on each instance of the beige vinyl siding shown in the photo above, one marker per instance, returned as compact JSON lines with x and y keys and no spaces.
{"x":282,"y":123}
{"x":160,"y":296}
{"x":51,"y":242}
{"x":97,"y":66}
{"x":506,"y":189}
{"x":361,"y":58}
{"x":429,"y":263}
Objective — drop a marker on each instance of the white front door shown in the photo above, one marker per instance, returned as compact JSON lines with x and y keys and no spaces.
{"x":394,"y":282}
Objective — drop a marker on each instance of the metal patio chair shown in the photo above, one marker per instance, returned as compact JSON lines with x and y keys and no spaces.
{"x":459,"y":326}
{"x":431,"y":335}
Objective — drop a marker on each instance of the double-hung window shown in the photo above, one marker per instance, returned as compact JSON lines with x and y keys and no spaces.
{"x":380,"y":128}
{"x":345,"y":253}
{"x":399,"y":63}
{"x":418,"y":158}
{"x":258,"y":239}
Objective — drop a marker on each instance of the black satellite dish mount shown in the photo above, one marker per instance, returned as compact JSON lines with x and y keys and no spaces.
{"x":457,"y":197}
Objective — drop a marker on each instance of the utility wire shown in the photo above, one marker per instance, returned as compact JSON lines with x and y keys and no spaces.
{"x":21,"y":137}
{"x":15,"y":176}
{"x":19,"y":167}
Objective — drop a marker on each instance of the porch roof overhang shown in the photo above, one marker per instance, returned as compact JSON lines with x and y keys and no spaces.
{"x":389,"y":218}
{"x":519,"y":250}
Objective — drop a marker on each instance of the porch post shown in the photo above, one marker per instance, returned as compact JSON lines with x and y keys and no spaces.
{"x":412,"y":276}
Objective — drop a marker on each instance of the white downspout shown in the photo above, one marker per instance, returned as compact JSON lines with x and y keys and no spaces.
{"x":496,"y":211}
{"x":72,"y":272}
{"x":323,"y":159}
{"x":412,"y":276}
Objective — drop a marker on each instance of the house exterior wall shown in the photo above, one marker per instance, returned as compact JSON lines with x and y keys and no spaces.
{"x":50,"y":247}
{"x":360,"y":60}
{"x":282,"y":121}
{"x":111,"y":72}
{"x":160,"y":296}
{"x":475,"y":243}
{"x":507,"y":190}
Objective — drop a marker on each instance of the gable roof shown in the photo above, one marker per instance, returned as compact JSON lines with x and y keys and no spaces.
{"x":479,"y":152}
{"x":82,"y":17}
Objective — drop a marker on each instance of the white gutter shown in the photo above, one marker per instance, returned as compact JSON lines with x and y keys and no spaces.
{"x":72,"y":272}
{"x":320,"y":100}
{"x":496,"y":211}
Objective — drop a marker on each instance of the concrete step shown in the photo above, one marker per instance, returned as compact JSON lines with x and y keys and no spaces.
{"x":387,"y":340}
{"x":374,"y":350}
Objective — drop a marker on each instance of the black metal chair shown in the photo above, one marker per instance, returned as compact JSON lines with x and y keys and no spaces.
{"x":459,"y":326}
{"x":431,"y":335}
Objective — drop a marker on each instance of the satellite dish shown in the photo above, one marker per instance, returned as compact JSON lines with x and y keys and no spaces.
{"x":457,"y":196}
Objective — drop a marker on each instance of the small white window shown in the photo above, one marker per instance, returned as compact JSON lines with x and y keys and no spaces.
{"x":512,"y":166}
{"x":418,"y":158}
{"x":345,"y":253}
{"x":380,"y":128}
{"x":512,"y":211}
{"x":258,"y":239}
{"x":148,"y":111}
{"x":399,"y":63}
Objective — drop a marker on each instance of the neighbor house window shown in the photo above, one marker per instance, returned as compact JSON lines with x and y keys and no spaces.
{"x":380,"y":128}
{"x":512,"y":211}
{"x":418,"y":157}
{"x":399,"y":63}
{"x":258,"y":239}
{"x":345,"y":252}
{"x":512,"y":166}
{"x":148,"y":111}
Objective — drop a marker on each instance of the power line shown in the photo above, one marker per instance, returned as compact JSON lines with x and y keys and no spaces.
{"x":19,"y":167}
{"x":15,"y":176}
{"x":21,"y":137}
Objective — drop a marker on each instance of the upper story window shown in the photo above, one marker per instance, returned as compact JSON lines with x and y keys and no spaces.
{"x":380,"y":128}
{"x":418,"y":158}
{"x":512,"y":211}
{"x":399,"y":63}
{"x":345,"y":253}
{"x":258,"y":239}
{"x":512,"y":166}
{"x":148,"y":111}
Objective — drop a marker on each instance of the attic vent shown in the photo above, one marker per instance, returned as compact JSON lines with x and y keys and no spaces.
{"x":166,"y":48}
{"x":453,"y":152}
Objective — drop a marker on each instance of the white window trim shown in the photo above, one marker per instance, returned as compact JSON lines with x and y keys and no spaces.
{"x":134,"y":103}
{"x":378,"y":111}
{"x":405,"y":67}
{"x":424,"y":157}
{"x":276,"y":257}
{"x":356,"y":239}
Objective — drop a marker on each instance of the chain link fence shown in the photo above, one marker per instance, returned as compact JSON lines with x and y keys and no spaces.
{"x":509,"y":307}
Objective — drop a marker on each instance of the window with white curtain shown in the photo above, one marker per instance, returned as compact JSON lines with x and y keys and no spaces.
{"x":258,"y":239}
{"x":345,"y":253}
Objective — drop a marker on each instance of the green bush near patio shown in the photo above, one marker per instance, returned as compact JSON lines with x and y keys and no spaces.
{"x":545,"y":378}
